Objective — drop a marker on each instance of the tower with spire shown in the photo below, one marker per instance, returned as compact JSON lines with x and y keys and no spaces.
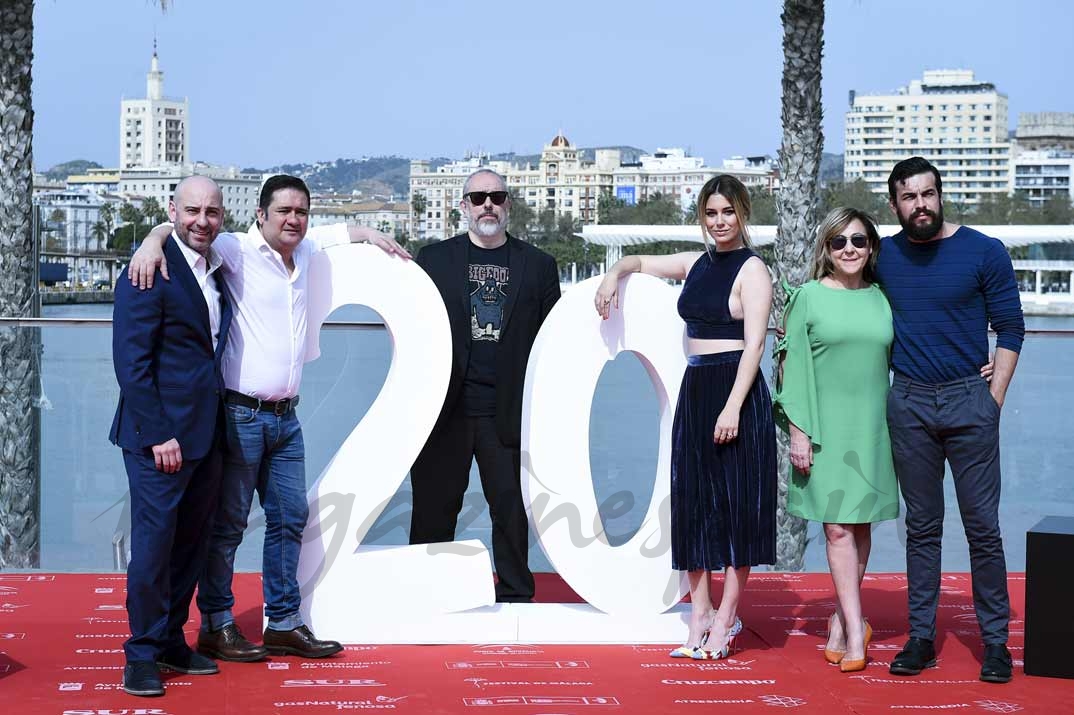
{"x":153,"y":131}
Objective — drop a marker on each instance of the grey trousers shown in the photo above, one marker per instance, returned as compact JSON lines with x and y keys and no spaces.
{"x":958,"y":422}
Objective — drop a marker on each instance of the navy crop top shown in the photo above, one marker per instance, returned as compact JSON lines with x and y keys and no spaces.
{"x":704,"y":297}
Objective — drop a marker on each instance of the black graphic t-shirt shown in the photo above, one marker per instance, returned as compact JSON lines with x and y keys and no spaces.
{"x":489,"y":277}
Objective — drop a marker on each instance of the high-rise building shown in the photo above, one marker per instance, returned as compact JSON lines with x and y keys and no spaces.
{"x":1045,"y":131}
{"x":153,"y":131}
{"x":948,"y":117}
{"x":1042,"y":174}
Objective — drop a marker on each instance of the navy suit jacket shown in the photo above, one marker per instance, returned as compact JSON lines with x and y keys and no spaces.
{"x":170,"y":382}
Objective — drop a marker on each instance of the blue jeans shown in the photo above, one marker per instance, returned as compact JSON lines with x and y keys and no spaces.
{"x":265,"y":453}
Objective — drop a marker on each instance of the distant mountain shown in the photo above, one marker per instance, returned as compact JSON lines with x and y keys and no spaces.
{"x":831,"y":168}
{"x":60,"y":172}
{"x":378,"y":175}
{"x":390,"y":175}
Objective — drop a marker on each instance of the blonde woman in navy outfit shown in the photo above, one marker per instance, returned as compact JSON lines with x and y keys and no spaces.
{"x":723,"y":471}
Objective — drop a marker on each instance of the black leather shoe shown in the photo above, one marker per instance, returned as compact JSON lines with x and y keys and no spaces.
{"x":228,"y":643}
{"x":142,"y":678}
{"x":996,"y":667}
{"x":300,"y":642}
{"x":184,"y":660}
{"x":914,"y":657}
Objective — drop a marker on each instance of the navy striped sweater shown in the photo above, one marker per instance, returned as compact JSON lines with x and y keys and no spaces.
{"x":943,"y":296}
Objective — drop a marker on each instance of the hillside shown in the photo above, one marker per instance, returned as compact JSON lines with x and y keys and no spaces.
{"x":60,"y":172}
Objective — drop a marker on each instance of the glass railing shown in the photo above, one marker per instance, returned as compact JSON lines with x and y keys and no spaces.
{"x":84,"y":516}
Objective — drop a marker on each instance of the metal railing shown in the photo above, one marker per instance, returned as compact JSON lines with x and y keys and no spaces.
{"x":83,"y":483}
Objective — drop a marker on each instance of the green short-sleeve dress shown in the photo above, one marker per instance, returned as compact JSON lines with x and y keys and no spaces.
{"x":834,"y":388}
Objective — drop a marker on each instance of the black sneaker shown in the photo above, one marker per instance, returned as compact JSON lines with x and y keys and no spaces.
{"x":996,"y":667}
{"x":184,"y":660}
{"x":914,"y":657}
{"x":142,"y":678}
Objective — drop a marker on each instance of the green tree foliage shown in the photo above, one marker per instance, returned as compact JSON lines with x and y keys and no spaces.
{"x":1057,"y":210}
{"x":108,"y":218}
{"x":99,"y":233}
{"x":153,"y":212}
{"x":1002,"y":209}
{"x":521,"y":219}
{"x":660,"y":210}
{"x":763,"y":207}
{"x":854,"y":194}
{"x":134,"y":225}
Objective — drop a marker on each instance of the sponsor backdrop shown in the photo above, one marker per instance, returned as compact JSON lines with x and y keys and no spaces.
{"x":61,"y":653}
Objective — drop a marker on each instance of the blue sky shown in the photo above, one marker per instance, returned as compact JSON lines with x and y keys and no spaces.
{"x":272,"y":82}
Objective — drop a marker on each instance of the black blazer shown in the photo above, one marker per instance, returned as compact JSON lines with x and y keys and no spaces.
{"x":533,"y":291}
{"x":170,"y":382}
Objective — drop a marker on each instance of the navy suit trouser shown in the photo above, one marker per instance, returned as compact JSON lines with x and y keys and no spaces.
{"x":171,"y":522}
{"x":956,"y":422}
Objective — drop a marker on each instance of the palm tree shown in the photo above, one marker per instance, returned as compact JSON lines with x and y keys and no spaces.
{"x":796,"y":206}
{"x":153,"y":212}
{"x":417,"y":205}
{"x":108,"y":218}
{"x":99,"y":233}
{"x":20,"y":348}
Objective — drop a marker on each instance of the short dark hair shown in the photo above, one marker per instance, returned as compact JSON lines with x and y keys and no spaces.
{"x":911,"y":167}
{"x":278,"y":183}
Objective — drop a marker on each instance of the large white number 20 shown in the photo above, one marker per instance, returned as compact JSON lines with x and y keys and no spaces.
{"x":415,"y":594}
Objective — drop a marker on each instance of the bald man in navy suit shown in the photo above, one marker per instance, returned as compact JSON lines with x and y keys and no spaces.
{"x":167,"y":344}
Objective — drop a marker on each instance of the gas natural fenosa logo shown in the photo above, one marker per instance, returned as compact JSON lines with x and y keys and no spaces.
{"x":998,"y":706}
{"x":781,"y":701}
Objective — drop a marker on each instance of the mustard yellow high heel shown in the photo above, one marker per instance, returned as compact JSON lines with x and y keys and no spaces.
{"x":830,"y":654}
{"x":853,"y":666}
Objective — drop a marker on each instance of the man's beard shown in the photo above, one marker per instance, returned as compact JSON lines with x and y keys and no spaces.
{"x":487,"y":229}
{"x":922,"y":232}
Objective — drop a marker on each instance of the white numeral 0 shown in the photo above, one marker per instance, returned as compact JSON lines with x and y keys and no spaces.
{"x":571,"y":350}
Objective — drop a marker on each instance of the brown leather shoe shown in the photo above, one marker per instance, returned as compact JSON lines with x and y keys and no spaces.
{"x":300,"y":642}
{"x":228,"y":643}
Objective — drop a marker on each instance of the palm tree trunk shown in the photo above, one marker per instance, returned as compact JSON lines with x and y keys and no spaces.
{"x":796,"y":206}
{"x":19,"y":347}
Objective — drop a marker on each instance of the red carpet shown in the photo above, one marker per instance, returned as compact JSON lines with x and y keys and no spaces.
{"x":61,"y":638}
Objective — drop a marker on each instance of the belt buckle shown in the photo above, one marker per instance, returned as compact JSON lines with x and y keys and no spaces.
{"x":281,"y":408}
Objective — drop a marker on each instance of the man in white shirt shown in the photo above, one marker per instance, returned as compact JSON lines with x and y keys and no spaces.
{"x":265,"y":274}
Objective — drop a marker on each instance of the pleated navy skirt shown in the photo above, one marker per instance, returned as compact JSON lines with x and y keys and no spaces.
{"x":723,"y":496}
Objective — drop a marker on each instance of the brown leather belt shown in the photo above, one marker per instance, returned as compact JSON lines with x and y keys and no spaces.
{"x":276,"y":407}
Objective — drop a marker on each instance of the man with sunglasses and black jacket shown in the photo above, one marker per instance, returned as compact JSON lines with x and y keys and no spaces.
{"x":497,"y":291}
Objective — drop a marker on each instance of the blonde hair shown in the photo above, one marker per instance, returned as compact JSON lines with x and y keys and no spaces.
{"x":736,"y":194}
{"x":834,"y":224}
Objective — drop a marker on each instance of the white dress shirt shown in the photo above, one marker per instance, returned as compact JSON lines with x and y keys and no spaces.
{"x":202,"y":269}
{"x":267,"y":344}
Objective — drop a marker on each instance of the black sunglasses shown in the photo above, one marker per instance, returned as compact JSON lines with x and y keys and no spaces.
{"x":477,"y":198}
{"x":838,"y":243}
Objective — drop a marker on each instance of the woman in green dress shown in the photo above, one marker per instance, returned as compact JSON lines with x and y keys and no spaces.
{"x":831,"y":399}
